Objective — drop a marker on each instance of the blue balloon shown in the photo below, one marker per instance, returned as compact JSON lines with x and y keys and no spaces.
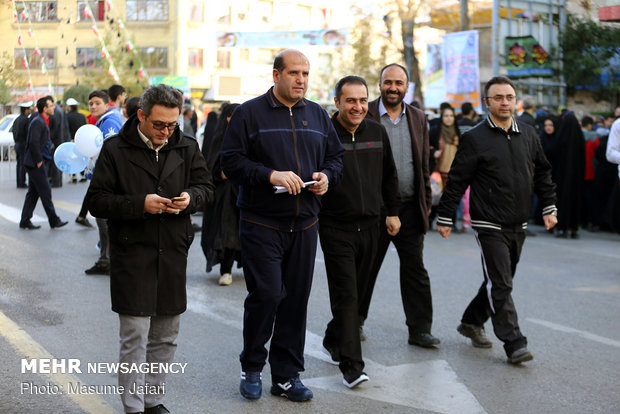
{"x":68,"y":159}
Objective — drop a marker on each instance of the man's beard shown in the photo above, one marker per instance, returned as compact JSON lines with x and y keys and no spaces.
{"x":385,"y":96}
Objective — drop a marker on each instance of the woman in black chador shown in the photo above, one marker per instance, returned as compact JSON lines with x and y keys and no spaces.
{"x":220,"y":228}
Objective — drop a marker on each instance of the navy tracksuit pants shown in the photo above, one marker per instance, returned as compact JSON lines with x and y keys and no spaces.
{"x":278,"y":268}
{"x":500,"y":252}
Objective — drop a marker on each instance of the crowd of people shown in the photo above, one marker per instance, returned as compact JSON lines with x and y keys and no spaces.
{"x":273,"y":168}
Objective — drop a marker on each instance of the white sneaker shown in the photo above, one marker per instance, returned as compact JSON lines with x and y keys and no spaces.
{"x":225,"y":279}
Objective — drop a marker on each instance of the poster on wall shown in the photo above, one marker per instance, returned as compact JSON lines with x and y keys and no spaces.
{"x":284,"y":39}
{"x":461,"y":68}
{"x":526,"y":57}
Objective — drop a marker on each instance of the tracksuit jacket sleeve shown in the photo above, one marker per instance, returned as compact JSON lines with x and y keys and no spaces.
{"x":461,"y":174}
{"x":543,"y":186}
{"x":332,"y":161}
{"x":389,"y":186}
{"x":235,"y":161}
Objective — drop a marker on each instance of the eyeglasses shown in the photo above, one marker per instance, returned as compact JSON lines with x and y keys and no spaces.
{"x":500,"y":98}
{"x":160,"y":126}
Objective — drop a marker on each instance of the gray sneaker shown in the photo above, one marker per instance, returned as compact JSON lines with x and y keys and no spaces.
{"x":476,"y":334}
{"x":520,"y":355}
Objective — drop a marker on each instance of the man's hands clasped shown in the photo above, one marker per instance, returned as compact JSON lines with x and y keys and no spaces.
{"x":156,"y":204}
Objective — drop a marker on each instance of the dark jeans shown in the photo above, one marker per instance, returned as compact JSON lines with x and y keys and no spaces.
{"x":349,"y":256}
{"x":500,"y":252}
{"x":415,"y":285}
{"x":39,"y":187}
{"x":278,"y":268}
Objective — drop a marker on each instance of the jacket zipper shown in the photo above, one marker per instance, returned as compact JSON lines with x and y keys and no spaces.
{"x":357,"y":167}
{"x":298,"y":196}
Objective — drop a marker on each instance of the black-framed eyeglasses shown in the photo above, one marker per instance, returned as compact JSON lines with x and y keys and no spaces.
{"x":160,"y":126}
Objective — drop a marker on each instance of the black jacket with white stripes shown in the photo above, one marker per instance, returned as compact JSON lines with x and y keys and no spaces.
{"x":504,"y":169}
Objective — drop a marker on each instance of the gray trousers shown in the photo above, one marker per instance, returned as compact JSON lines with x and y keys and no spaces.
{"x":145,"y":339}
{"x":104,"y":241}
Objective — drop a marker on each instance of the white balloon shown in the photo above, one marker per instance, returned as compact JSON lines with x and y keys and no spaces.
{"x":89,"y":139}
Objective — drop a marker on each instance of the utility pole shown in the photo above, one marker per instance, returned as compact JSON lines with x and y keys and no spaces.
{"x":464,"y":16}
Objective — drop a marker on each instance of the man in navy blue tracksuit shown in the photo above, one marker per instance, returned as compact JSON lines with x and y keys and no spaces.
{"x":279,"y":139}
{"x":503,"y":161}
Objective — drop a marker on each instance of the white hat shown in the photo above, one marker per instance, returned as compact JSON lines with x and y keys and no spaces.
{"x":72,"y":102}
{"x":26,"y":104}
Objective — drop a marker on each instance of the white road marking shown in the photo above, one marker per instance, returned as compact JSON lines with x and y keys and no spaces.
{"x":583,"y":334}
{"x":437,"y":387}
{"x":14,"y":215}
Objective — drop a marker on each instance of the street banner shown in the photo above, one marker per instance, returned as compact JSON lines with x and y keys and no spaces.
{"x":434,"y":82}
{"x":284,"y":39}
{"x":179,"y":82}
{"x":526,"y":57}
{"x":461,"y":68}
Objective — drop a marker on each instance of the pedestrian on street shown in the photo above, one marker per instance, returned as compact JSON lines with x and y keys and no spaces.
{"x":149,"y":179}
{"x":38,"y":156}
{"x":20,"y":134}
{"x":279,"y":139}
{"x":407,"y":129}
{"x":349,"y":218}
{"x":110,"y":124}
{"x":503,"y":161}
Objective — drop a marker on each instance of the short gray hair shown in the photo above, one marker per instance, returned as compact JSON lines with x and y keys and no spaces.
{"x":161,"y":95}
{"x":528,"y":102}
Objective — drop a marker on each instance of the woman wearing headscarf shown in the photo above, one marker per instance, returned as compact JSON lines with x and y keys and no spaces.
{"x":570,"y":166}
{"x":220,"y":228}
{"x":446,"y":137}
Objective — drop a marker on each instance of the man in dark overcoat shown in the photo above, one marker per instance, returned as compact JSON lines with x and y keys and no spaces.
{"x":149,"y":179}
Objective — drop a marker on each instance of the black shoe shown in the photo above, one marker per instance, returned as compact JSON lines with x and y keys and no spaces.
{"x":59,"y":224}
{"x":292,"y":389}
{"x":520,"y":355}
{"x":425,"y":340}
{"x":22,"y":186}
{"x":83,"y":221}
{"x":251,"y":386}
{"x":158,"y":409}
{"x":98,"y":269}
{"x":28,"y":225}
{"x":352,"y":380}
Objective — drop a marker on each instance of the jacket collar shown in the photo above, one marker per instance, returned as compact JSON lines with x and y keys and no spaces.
{"x":514,"y":128}
{"x":342,"y":131}
{"x":275,"y":103}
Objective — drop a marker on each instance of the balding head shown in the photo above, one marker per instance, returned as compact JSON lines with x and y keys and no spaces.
{"x":288,"y":55}
{"x":290,"y":76}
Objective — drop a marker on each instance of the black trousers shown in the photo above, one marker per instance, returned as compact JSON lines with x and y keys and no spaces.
{"x":39,"y":187}
{"x":20,"y":151}
{"x":278,"y":268}
{"x":349,"y":256}
{"x":415,"y":285}
{"x":500,"y":252}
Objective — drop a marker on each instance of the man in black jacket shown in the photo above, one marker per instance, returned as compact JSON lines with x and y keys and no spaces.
{"x":502,"y":160}
{"x":20,"y":134}
{"x":349,"y":220}
{"x":149,"y":179}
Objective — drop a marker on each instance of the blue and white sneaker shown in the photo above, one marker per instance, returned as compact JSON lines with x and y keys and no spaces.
{"x":293,"y":389}
{"x":251,"y":386}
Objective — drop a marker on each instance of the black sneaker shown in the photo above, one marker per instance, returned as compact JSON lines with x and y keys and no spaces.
{"x":158,"y":409}
{"x":520,"y":355}
{"x":424,"y":339}
{"x":98,"y":269}
{"x":83,"y":221}
{"x":293,"y":389}
{"x":251,"y":386}
{"x":352,"y":380}
{"x":476,"y":334}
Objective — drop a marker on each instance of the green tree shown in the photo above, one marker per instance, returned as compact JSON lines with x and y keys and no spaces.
{"x":9,"y":78}
{"x":79,"y":93}
{"x":588,"y":49}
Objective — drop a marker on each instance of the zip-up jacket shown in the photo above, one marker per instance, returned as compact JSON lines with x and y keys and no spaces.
{"x":265,"y":135}
{"x":109,"y":123}
{"x":369,"y":178}
{"x":504,"y":168}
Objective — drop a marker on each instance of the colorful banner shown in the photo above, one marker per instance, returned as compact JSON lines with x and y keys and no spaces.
{"x":434,"y":83}
{"x":284,"y":39}
{"x":179,"y":82}
{"x":526,"y":57}
{"x":461,"y":68}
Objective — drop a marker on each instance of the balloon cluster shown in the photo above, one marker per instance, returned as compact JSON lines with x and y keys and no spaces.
{"x":75,"y":157}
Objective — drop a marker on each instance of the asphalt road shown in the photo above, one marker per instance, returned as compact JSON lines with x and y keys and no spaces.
{"x":567,"y":293}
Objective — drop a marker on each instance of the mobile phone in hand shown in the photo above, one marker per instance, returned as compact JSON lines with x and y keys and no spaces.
{"x":175,"y":199}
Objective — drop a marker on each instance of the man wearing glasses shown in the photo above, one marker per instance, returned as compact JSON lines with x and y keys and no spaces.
{"x":149,"y":179}
{"x":503,"y":161}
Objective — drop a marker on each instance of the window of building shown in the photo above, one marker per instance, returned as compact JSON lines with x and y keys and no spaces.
{"x":222,"y":12}
{"x":154,"y":57}
{"x":37,"y":11}
{"x":264,"y":10}
{"x":196,"y":11}
{"x":97,"y":8}
{"x":88,"y":57}
{"x":145,"y":10}
{"x":194,"y":56}
{"x":223,"y":59}
{"x":35,"y":59}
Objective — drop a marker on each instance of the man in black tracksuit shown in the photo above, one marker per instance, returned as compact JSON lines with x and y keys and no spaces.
{"x":349,"y":221}
{"x":503,"y":161}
